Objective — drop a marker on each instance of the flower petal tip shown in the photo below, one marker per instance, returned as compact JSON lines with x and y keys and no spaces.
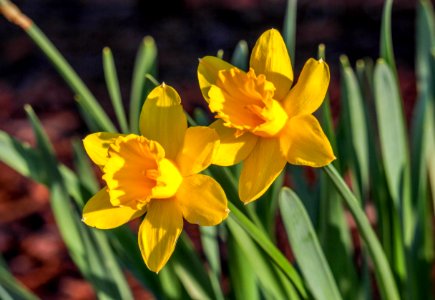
{"x":249,"y":200}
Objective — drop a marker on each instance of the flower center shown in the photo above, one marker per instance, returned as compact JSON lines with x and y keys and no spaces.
{"x":245,"y":101}
{"x":138,"y":171}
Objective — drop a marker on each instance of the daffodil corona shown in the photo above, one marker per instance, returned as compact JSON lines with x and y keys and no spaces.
{"x":156,"y":174}
{"x":263,"y":120}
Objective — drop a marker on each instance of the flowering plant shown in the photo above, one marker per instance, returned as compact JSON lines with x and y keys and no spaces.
{"x":228,"y":176}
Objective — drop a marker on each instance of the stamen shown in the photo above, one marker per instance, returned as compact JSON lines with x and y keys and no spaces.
{"x":152,"y":174}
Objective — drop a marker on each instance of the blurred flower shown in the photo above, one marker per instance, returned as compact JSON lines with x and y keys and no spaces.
{"x":157,"y":175}
{"x":263,"y":120}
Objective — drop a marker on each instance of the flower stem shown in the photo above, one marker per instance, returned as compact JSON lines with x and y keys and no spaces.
{"x":86,"y":99}
{"x":384,"y":275}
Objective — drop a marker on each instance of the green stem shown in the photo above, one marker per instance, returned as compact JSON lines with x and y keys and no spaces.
{"x":384,"y":275}
{"x":86,"y":99}
{"x":264,"y":242}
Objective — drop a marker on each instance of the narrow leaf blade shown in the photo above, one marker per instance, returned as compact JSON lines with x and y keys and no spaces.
{"x":146,"y":60}
{"x":306,"y":247}
{"x":113,"y":88}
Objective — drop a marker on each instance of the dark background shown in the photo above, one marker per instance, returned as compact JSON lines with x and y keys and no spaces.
{"x":184,"y":31}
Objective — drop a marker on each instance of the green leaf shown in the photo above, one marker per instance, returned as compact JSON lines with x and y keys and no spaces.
{"x":26,"y":161}
{"x":384,"y":275}
{"x":85,"y":172}
{"x":267,"y":205}
{"x":394,"y":144}
{"x":65,"y":217}
{"x":10,"y":288}
{"x":386,"y":40}
{"x":336,"y":241}
{"x":210,"y":246}
{"x":89,"y":104}
{"x":391,"y":128}
{"x":307,"y":192}
{"x":190,"y":270}
{"x":90,"y":122}
{"x":268,"y":247}
{"x":431,"y":152}
{"x":425,"y":36}
{"x":21,"y":157}
{"x":113,"y":88}
{"x":112,"y":265}
{"x":423,"y":240}
{"x":200,"y":116}
{"x":220,"y":54}
{"x":125,"y":245}
{"x":73,"y":185}
{"x":240,"y":57}
{"x":286,"y":284}
{"x":265,"y":275}
{"x":146,"y":63}
{"x":89,"y":251}
{"x":422,"y":126}
{"x":334,"y":234}
{"x":325,"y":115}
{"x":209,"y":240}
{"x":423,"y":147}
{"x":387,"y":215}
{"x":170,"y":283}
{"x":306,"y":247}
{"x":229,"y":183}
{"x":102,"y":271}
{"x":289,"y":28}
{"x":242,"y":273}
{"x":355,"y":121}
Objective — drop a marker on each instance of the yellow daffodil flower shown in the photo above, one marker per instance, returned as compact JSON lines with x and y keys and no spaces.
{"x":156,"y":174}
{"x":263,"y":120}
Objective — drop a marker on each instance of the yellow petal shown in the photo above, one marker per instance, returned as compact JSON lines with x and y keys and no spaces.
{"x":163,"y":120}
{"x":232,"y":148}
{"x":208,"y":69}
{"x":200,"y":144}
{"x":260,"y":169}
{"x":202,"y":200}
{"x":159,"y":232}
{"x":310,"y":90}
{"x":270,"y":57}
{"x":97,"y":146}
{"x":100,"y":213}
{"x":309,"y":145}
{"x":285,"y":139}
